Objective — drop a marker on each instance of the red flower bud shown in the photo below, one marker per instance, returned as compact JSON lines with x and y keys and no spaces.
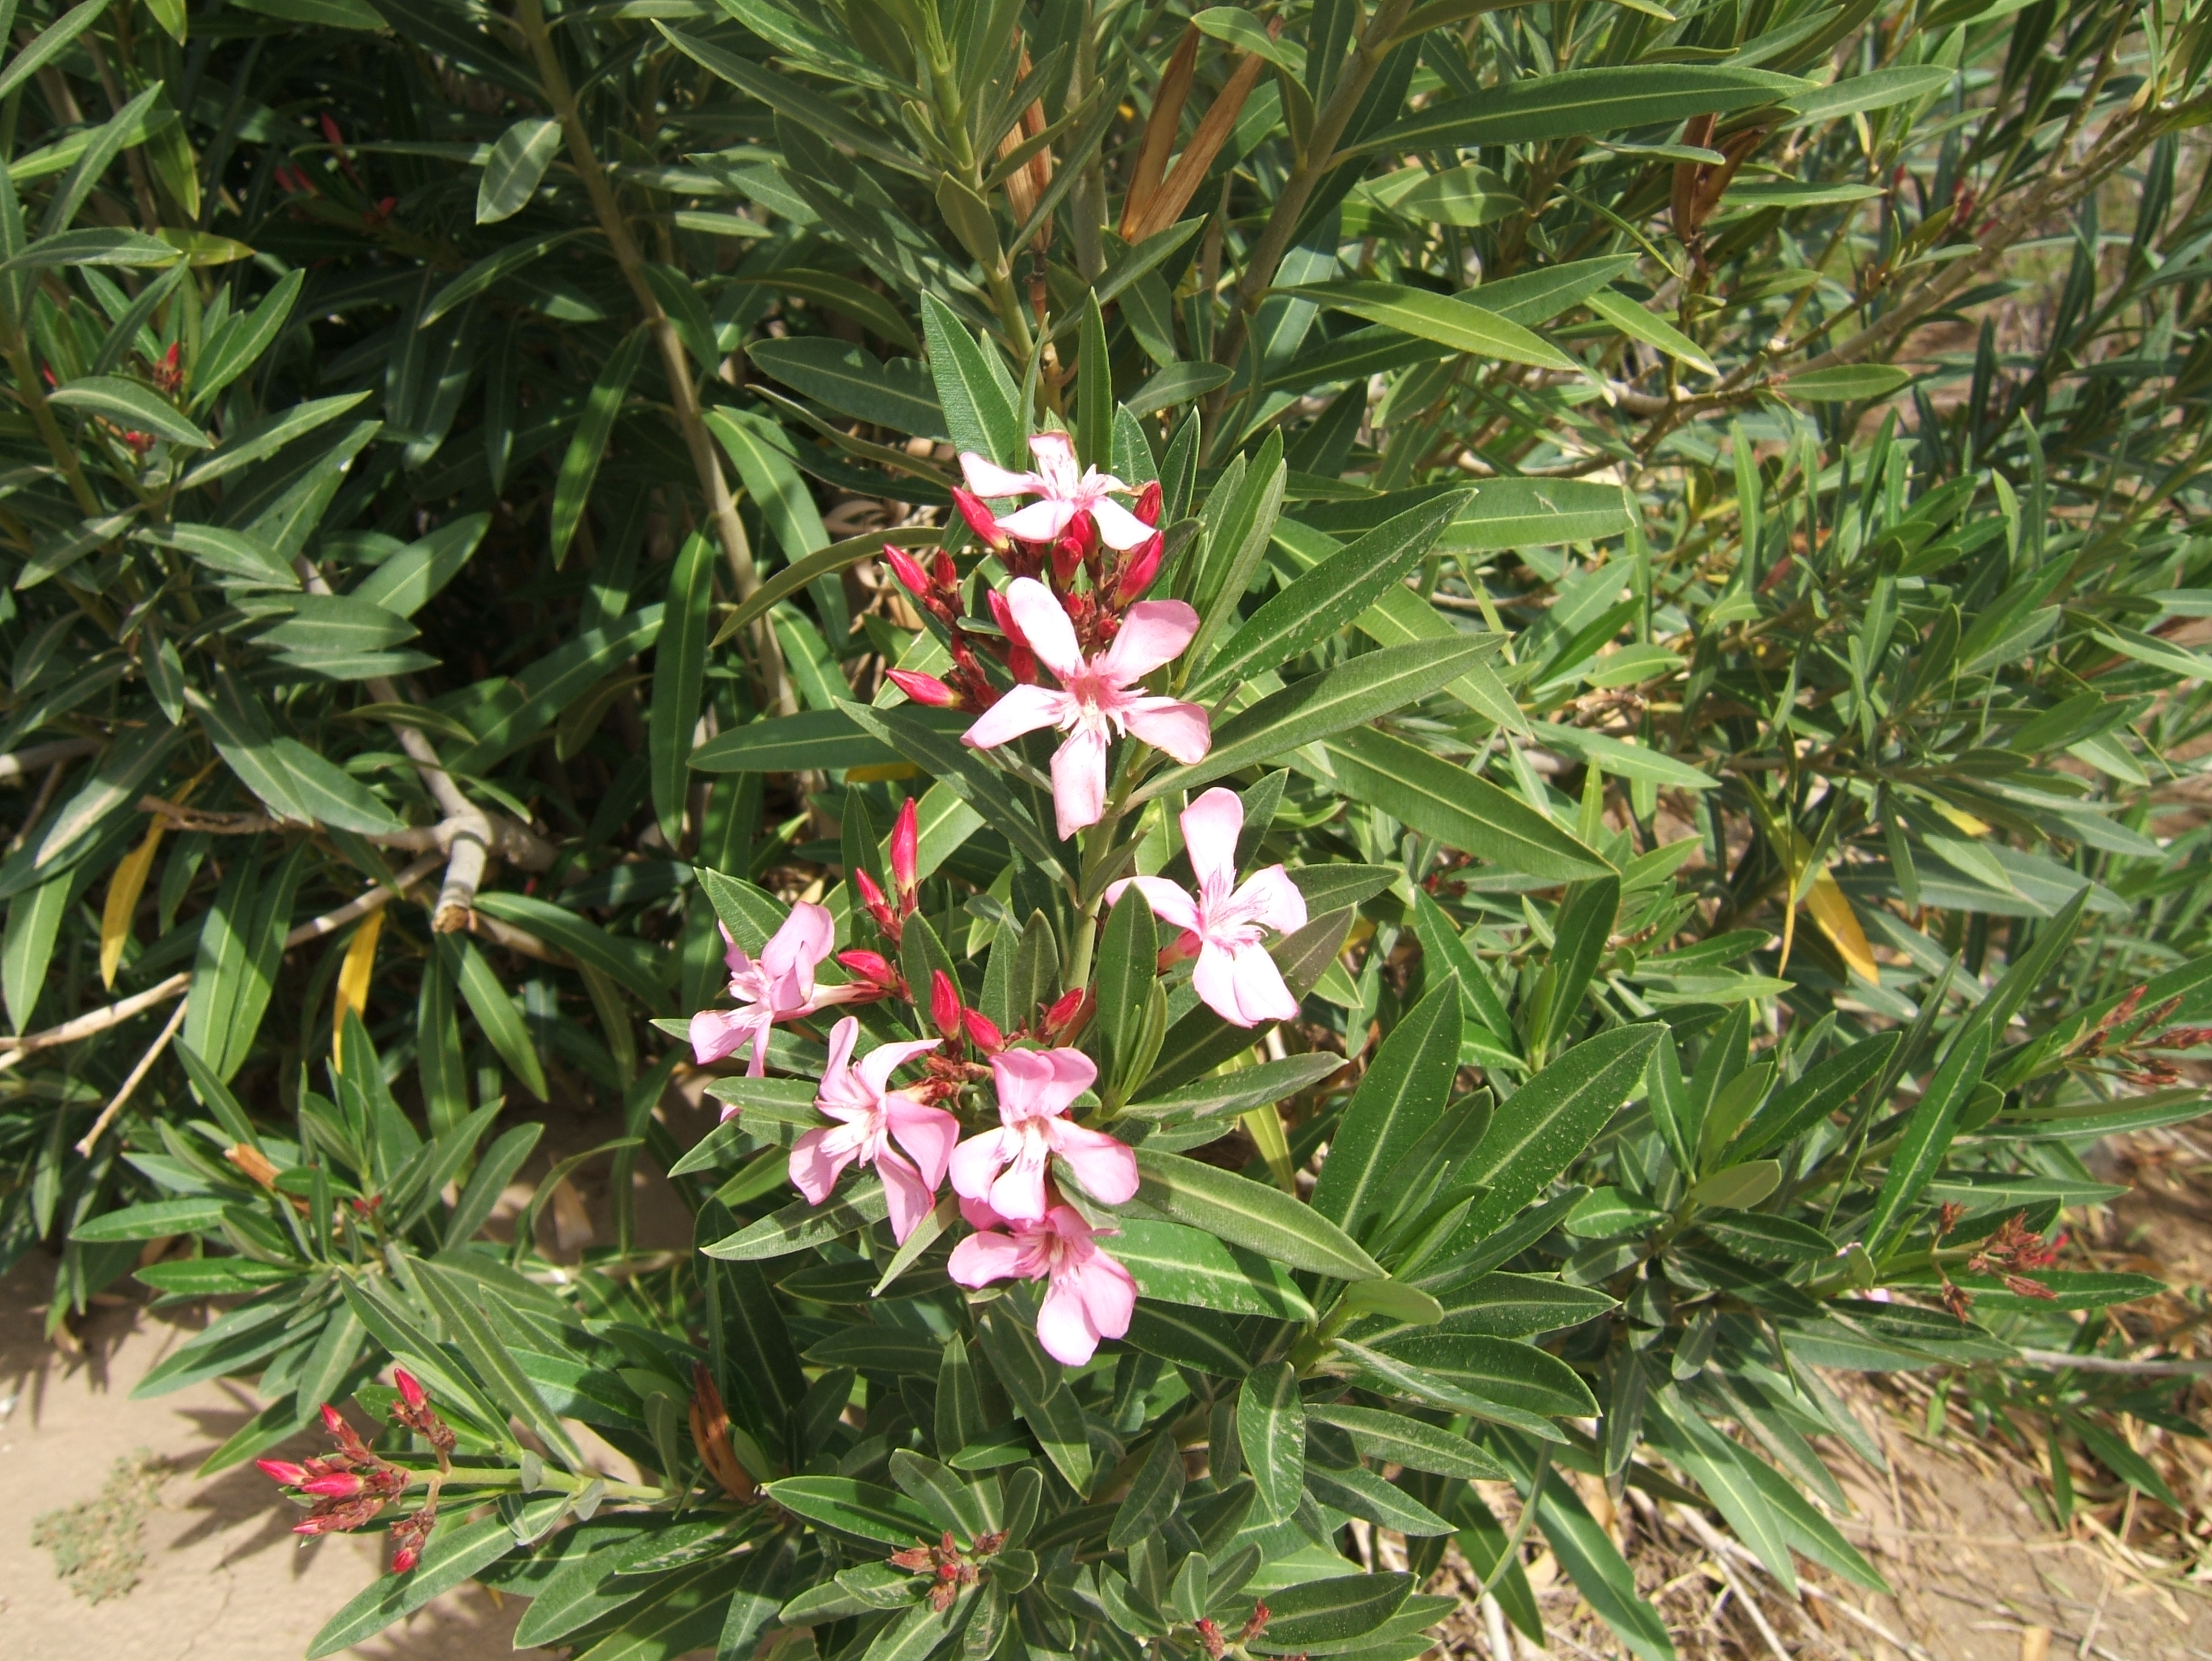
{"x":409,"y":1391}
{"x":1067,"y":1016}
{"x":1068,"y":551}
{"x":331,"y":132}
{"x":1148,"y":503}
{"x":906,"y":854}
{"x":1021,"y":662}
{"x":873,"y":898}
{"x":872,"y":967}
{"x":982,"y":1032}
{"x":405,"y":1559}
{"x":978,"y":515}
{"x":1137,"y":575}
{"x":907,"y":571}
{"x":943,"y":574}
{"x":283,"y":1470}
{"x":336,"y":1485}
{"x":945,"y":1004}
{"x":924,"y":689}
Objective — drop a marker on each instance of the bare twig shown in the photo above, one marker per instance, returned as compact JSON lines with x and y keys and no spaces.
{"x":99,"y":1021}
{"x":138,"y":1075}
{"x":2151,"y":1368}
{"x":514,"y":842}
{"x":47,"y":786}
{"x":24,"y":762}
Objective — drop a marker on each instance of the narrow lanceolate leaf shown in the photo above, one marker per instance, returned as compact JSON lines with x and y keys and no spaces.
{"x":1251,"y":1215}
{"x":1823,"y":1088}
{"x":800,"y":1226}
{"x":1153,"y":1495}
{"x":958,"y":768}
{"x":1331,"y":1612}
{"x":1580,"y":103}
{"x":459,"y":1551}
{"x":1438,"y":799}
{"x":1232,"y":1093}
{"x":128,"y":405}
{"x":864,"y":1509}
{"x":454,"y":1298}
{"x":979,"y":416}
{"x":587,"y":446}
{"x":1128,"y":953}
{"x":1927,"y":1138}
{"x":850,"y":380}
{"x":1552,"y":1119}
{"x":1271,"y":1430}
{"x":518,"y":162}
{"x":1639,"y":325}
{"x":1400,"y":1098}
{"x":1364,"y":689}
{"x":1398,"y":1439}
{"x":1176,"y":1264}
{"x":679,"y":670}
{"x":1444,"y":318}
{"x":1325,"y":598}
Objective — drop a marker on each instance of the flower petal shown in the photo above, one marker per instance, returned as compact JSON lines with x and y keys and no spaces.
{"x":1072,"y":1073}
{"x":1018,"y":1194}
{"x":929,"y":1134}
{"x":1109,"y":1295}
{"x":1183,"y":730}
{"x":976,"y":1162}
{"x":984,"y":1257}
{"x":1045,"y":626}
{"x":1078,"y":782}
{"x":1064,"y":1325}
{"x":804,"y":941}
{"x":877,"y":1065}
{"x":1105,"y":1167}
{"x":1019,"y":710}
{"x":1154,"y":632}
{"x":1118,"y":528}
{"x":987,"y":478}
{"x":1210,"y":826}
{"x":1270,"y":898}
{"x":815,"y":1167}
{"x":1055,"y":459}
{"x":1040,"y":521}
{"x":1169,"y":903}
{"x":910,"y":1198}
{"x":842,"y":1037}
{"x":717,"y":1034}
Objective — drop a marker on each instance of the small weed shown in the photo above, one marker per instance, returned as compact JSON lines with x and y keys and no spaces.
{"x":95,"y":1541}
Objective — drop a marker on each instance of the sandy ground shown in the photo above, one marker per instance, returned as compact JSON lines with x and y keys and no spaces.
{"x":223,"y":1578}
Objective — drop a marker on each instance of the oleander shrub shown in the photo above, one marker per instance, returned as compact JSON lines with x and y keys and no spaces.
{"x":1371,"y":748}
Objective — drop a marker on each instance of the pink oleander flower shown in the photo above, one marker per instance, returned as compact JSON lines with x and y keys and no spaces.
{"x":1234,"y":975}
{"x":873,"y":1117}
{"x":1091,"y":1296}
{"x":779,"y":987}
{"x":1097,"y":696}
{"x":1063,"y":495}
{"x":1006,"y":1168}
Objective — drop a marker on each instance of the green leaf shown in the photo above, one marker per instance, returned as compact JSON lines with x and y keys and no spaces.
{"x":1271,"y":1430}
{"x":1867,"y":91}
{"x":1847,"y":383}
{"x":153,"y":1220}
{"x":459,"y":1551}
{"x":1461,"y":810}
{"x":1444,"y":956}
{"x":404,"y":584}
{"x":971,"y":388}
{"x":587,"y":446}
{"x":456,"y":1299}
{"x":1639,"y":325}
{"x":265,"y":437}
{"x":531,"y":702}
{"x":679,"y":672}
{"x":1579,"y":104}
{"x":49,"y":44}
{"x":1502,"y":1370}
{"x":1220,"y":1094}
{"x":1320,"y":602}
{"x":1919,"y":1153}
{"x":1365,"y":1494}
{"x":495,"y":1012}
{"x":1544,"y":1125}
{"x":1397,"y":1439}
{"x":956,"y":766}
{"x":1372,"y":685}
{"x":800,"y":1226}
{"x":1400,"y":1097}
{"x":1128,"y":953}
{"x":1177,"y":1265}
{"x":241,"y":946}
{"x":1153,"y":1492}
{"x":517,"y":164}
{"x":1178,"y":384}
{"x":1468,"y":195}
{"x":898,"y":395}
{"x":1823,"y":1090}
{"x":861,"y":1509}
{"x":1738,"y":1187}
{"x":1330,"y":1612}
{"x":1252,"y":1215}
{"x":129,"y":405}
{"x":1448,"y":321}
{"x":1594,"y":1563}
{"x":763,"y":454}
{"x":629,"y":962}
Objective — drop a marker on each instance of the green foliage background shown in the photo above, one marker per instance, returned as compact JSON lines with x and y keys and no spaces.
{"x":1737,"y":469}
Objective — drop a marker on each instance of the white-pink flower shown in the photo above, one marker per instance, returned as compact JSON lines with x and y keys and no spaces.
{"x":872,"y":1118}
{"x":1062,"y":493}
{"x":779,"y":986}
{"x":1091,"y":1296}
{"x":1097,"y":696}
{"x":1006,"y":1168}
{"x":1234,"y":974}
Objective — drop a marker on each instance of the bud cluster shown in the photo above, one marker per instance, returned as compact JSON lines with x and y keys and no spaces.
{"x":950,"y":1570}
{"x":349,"y":1487}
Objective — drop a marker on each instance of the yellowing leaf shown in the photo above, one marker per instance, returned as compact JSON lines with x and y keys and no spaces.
{"x":878,"y":772}
{"x":123,"y":891}
{"x":1266,"y":1126}
{"x":1964,"y":821}
{"x":353,"y":980}
{"x":1832,"y":911}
